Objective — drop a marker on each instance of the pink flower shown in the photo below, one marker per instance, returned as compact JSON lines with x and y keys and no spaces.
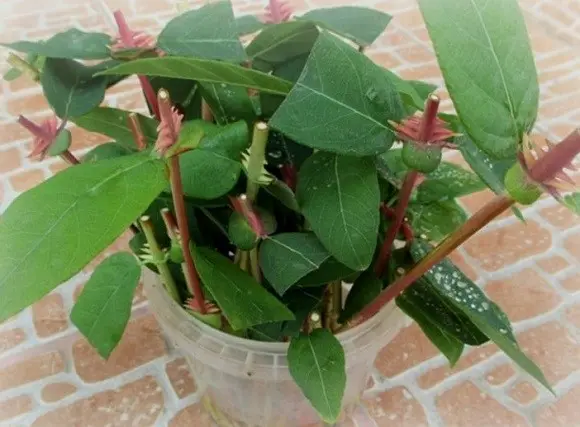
{"x":129,"y":39}
{"x":170,"y":123}
{"x":425,"y":127}
{"x":546,"y":163}
{"x":277,"y":11}
{"x":44,"y":135}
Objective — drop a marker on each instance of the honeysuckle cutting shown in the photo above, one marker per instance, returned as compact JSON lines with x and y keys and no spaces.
{"x":169,"y":125}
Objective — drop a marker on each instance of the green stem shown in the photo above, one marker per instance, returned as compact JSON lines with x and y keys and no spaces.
{"x":189,"y":271}
{"x":257,"y":159}
{"x":483,"y":217}
{"x":401,"y":209}
{"x":255,"y":265}
{"x":244,"y":260}
{"x":24,"y":67}
{"x":332,"y":305}
{"x":159,"y":258}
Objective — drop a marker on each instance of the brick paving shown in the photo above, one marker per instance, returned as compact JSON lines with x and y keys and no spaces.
{"x":50,"y":377}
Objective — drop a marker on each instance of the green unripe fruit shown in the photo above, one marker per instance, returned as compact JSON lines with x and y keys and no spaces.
{"x":421,"y":157}
{"x":519,"y":186}
{"x":241,"y":233}
{"x":175,"y":253}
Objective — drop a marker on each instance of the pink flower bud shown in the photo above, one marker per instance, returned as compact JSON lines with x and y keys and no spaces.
{"x":170,"y":123}
{"x":129,"y":39}
{"x":277,"y":11}
{"x":43,"y":135}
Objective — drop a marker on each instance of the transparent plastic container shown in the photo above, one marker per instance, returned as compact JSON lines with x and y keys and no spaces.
{"x":247,"y":383}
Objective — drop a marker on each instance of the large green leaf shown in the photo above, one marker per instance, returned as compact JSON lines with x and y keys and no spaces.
{"x":572,"y":202}
{"x":340,"y":197}
{"x":204,"y":70}
{"x":103,"y":308}
{"x":71,"y":44}
{"x":432,"y":321}
{"x":184,"y":94}
{"x":359,"y":24}
{"x":286,"y":258}
{"x":329,"y":271}
{"x":208,"y":32}
{"x":280,"y":43}
{"x":114,"y":123}
{"x":364,"y":290}
{"x":109,"y":150}
{"x":437,"y":219}
{"x":248,"y":24}
{"x":244,"y":301}
{"x":413,"y":92}
{"x":228,"y":103}
{"x":484,"y":53}
{"x":214,"y":166}
{"x":70,"y":88}
{"x":341,"y":103}
{"x":465,"y":296}
{"x":317,"y":364}
{"x":52,"y":231}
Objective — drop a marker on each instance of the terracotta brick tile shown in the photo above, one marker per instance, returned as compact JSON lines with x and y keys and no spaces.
{"x":572,"y":283}
{"x":20,"y":84}
{"x":27,"y":104}
{"x":10,"y":160}
{"x":396,"y":407}
{"x":152,"y":6}
{"x":11,"y":338}
{"x":49,"y":315}
{"x":27,"y":179}
{"x":559,"y":107}
{"x":553,"y":264}
{"x":543,"y":43}
{"x":573,"y":315}
{"x":140,"y":344}
{"x":560,"y":216}
{"x":131,"y":84}
{"x":409,"y":19}
{"x":500,"y":375}
{"x":416,"y":54}
{"x":57,"y":166}
{"x":523,"y":392}
{"x":32,"y":369}
{"x":193,"y":415}
{"x":54,"y":392}
{"x":2,"y":192}
{"x":135,"y":404}
{"x":467,"y":405}
{"x":409,"y":348}
{"x":85,"y":139}
{"x":462,"y":264}
{"x":564,"y":413}
{"x":564,"y":87}
{"x":551,"y":75}
{"x":506,"y":245}
{"x":384,"y":59}
{"x":562,"y":130}
{"x":11,"y":132}
{"x":422,"y":72}
{"x":553,"y":348}
{"x":523,"y":295}
{"x":422,"y":34}
{"x":557,"y":14}
{"x":474,"y":202}
{"x":476,"y":355}
{"x":572,"y":245}
{"x":181,"y":380}
{"x":555,"y":60}
{"x":393,"y":37}
{"x":131,"y":101}
{"x":15,"y":406}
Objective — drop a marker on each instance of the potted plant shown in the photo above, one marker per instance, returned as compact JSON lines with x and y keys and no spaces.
{"x":287,"y":197}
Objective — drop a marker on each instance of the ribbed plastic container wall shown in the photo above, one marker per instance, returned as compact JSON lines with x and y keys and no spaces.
{"x":247,"y":383}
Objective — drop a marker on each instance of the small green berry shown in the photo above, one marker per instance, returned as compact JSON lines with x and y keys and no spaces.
{"x":421,"y":157}
{"x":519,"y":186}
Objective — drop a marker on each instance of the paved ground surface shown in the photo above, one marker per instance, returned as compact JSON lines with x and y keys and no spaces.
{"x":49,"y":376}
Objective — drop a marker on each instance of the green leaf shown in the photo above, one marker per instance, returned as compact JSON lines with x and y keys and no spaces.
{"x":114,"y":123}
{"x":468,"y":298}
{"x":341,"y":103}
{"x":109,"y":150}
{"x":104,"y":307}
{"x":12,"y":74}
{"x":70,"y":88}
{"x":184,"y":94}
{"x":436,"y":220}
{"x":317,"y":364}
{"x":241,"y":233}
{"x":284,"y":194}
{"x":413,"y":93}
{"x":572,"y":202}
{"x":208,"y":32}
{"x":484,"y":53}
{"x":204,"y":70}
{"x":244,"y":301}
{"x":359,"y":24}
{"x":53,"y":230}
{"x":70,"y":44}
{"x":431,"y":323}
{"x":248,"y":24}
{"x":329,"y":271}
{"x":281,"y":151}
{"x":214,"y":166}
{"x":61,"y":143}
{"x":228,"y":103}
{"x":286,"y":258}
{"x":364,"y":290}
{"x":340,"y":197}
{"x":278,"y":44}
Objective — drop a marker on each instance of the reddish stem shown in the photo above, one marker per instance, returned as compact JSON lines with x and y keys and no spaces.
{"x":289,"y":176}
{"x":137,"y":132}
{"x":69,"y":157}
{"x":405,"y":227}
{"x":243,"y":206}
{"x":149,"y":95}
{"x":191,"y":277}
{"x":485,"y":215}
{"x":404,"y":197}
{"x":429,"y":118}
{"x":169,"y":220}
